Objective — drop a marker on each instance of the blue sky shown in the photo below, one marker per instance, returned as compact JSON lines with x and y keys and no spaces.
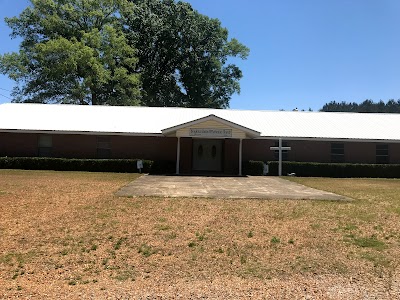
{"x":302,"y":53}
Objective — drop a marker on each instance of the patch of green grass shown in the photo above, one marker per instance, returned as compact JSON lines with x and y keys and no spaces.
{"x":349,"y":227}
{"x":305,"y":265}
{"x":396,"y":210}
{"x":378,"y":259}
{"x":163,"y":227}
{"x":315,"y":226}
{"x":146,"y":250}
{"x":338,"y":267}
{"x":254,"y":269}
{"x":118,"y":244}
{"x":275,"y":240}
{"x":378,"y":227}
{"x":200,"y":236}
{"x":192,"y":244}
{"x":125,"y":274}
{"x":369,"y":242}
{"x":171,"y":236}
{"x":17,"y":258}
{"x":243,"y":259}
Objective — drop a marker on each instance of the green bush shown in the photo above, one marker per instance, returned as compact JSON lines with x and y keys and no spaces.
{"x":253,"y":167}
{"x":310,"y":169}
{"x":72,"y":164}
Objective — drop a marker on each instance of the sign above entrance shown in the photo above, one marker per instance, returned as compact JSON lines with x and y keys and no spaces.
{"x":210,"y":132}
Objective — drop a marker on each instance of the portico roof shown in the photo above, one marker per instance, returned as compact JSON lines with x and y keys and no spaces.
{"x":249,"y":132}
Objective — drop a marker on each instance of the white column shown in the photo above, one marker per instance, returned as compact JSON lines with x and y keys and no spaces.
{"x":280,"y":158}
{"x":178,"y":155}
{"x":240,"y":157}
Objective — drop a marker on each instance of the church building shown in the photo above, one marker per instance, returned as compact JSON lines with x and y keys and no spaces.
{"x":197,"y":140}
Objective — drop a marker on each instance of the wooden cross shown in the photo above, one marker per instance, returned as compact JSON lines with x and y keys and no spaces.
{"x":280,"y":149}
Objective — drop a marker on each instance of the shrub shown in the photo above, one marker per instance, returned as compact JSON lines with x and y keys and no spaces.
{"x":73,"y":164}
{"x":310,"y":169}
{"x":253,"y":167}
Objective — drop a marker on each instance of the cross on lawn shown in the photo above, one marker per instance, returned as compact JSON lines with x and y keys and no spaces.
{"x":280,"y":149}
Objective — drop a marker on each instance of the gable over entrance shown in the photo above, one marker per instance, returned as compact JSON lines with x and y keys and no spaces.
{"x":208,"y":135}
{"x":211,"y":127}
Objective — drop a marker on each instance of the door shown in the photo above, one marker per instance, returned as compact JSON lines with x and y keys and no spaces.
{"x":207,"y":155}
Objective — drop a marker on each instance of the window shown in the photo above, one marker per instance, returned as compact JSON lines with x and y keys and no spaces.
{"x":337,"y":152}
{"x":45,"y":145}
{"x":285,"y":153}
{"x":103,"y":147}
{"x":382,"y":153}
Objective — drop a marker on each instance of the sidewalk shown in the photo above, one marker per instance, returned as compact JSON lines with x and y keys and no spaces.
{"x":259,"y":187}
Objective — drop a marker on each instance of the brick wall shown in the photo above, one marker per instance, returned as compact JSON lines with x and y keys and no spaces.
{"x":18,"y":144}
{"x":85,"y":146}
{"x":394,"y":153}
{"x":185,"y":164}
{"x":163,"y":148}
{"x":317,"y":151}
{"x":155,"y":148}
{"x":231,"y":156}
{"x":74,"y":146}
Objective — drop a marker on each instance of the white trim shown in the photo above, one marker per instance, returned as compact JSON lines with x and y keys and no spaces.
{"x":81,"y":132}
{"x":328,"y":140}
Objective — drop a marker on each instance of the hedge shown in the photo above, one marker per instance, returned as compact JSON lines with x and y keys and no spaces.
{"x":308,"y":169}
{"x":252,"y":167}
{"x":91,"y":165}
{"x":303,"y":169}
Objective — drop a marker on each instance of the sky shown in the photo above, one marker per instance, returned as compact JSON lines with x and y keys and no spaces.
{"x":303,"y":53}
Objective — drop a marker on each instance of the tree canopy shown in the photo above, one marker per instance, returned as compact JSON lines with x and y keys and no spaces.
{"x":183,"y":55}
{"x":122,"y":52}
{"x":72,"y":52}
{"x":391,"y":106}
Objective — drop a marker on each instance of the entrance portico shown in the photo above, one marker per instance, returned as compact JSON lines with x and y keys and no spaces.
{"x":210,"y":150}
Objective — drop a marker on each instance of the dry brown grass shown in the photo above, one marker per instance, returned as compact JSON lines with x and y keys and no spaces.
{"x":65,"y":235}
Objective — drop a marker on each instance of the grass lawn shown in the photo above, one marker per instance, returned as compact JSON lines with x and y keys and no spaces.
{"x":65,"y":234}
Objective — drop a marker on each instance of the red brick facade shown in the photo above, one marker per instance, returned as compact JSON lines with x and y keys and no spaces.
{"x":318,"y":151}
{"x":85,"y":146}
{"x":164,"y":148}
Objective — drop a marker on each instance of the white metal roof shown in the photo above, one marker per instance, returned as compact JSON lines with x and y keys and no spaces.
{"x":152,"y":120}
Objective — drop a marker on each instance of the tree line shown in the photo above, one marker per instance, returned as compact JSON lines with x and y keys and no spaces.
{"x":368,"y":106}
{"x":122,"y":52}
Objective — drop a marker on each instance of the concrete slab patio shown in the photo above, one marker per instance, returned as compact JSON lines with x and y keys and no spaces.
{"x":223,"y":187}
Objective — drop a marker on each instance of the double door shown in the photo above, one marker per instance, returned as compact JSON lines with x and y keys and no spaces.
{"x":207,"y":155}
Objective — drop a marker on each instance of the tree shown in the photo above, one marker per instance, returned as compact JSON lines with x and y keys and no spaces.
{"x":122,"y":52}
{"x":367,"y":106}
{"x":183,"y":55}
{"x":73,"y":51}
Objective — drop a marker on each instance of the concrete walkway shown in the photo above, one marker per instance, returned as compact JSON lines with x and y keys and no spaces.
{"x":223,"y":187}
